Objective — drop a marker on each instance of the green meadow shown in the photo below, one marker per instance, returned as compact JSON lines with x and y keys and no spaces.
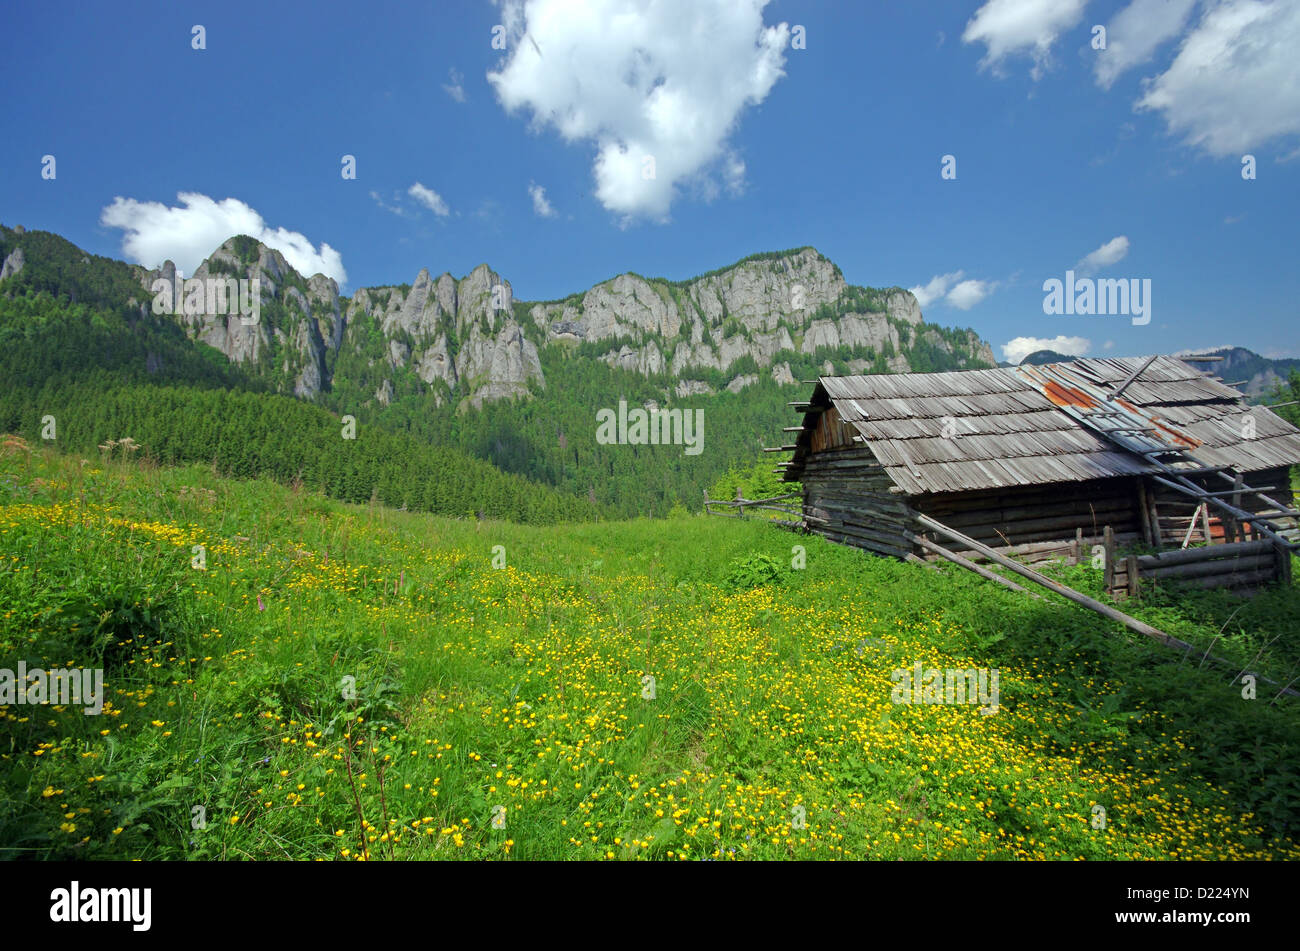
{"x":289,"y":676}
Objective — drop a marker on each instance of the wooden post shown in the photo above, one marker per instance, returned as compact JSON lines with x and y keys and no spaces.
{"x":740,"y":497}
{"x":1205,"y":523}
{"x":1283,"y":556}
{"x":1152,"y":513}
{"x":1234,"y":524}
{"x":1144,"y":512}
{"x":1132,"y":576}
{"x":1108,"y":540}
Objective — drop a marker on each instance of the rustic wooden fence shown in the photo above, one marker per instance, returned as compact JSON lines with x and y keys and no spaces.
{"x":1236,"y":564}
{"x":779,"y":504}
{"x":1243,"y":564}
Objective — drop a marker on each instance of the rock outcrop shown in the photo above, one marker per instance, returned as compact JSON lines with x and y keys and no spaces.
{"x":13,"y":263}
{"x":469,"y":340}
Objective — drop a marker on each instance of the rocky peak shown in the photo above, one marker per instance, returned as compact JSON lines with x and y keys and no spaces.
{"x":14,"y":262}
{"x":464,"y":335}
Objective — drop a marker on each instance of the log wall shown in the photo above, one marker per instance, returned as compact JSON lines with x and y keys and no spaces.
{"x":1035,"y":523}
{"x":846,"y":498}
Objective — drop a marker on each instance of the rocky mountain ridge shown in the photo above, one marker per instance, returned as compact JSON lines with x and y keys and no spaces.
{"x":468,"y":341}
{"x":1256,"y":375}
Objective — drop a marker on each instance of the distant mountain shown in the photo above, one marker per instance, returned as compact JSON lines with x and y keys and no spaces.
{"x":517,"y":383}
{"x":1039,"y":357}
{"x":1261,"y":374}
{"x":470,"y":341}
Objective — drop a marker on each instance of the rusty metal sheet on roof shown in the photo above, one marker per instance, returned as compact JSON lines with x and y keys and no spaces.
{"x":1130,"y":426}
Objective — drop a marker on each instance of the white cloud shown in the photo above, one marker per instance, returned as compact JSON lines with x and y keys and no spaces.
{"x":541,"y":205}
{"x":1202,"y":351}
{"x":733,"y":173}
{"x":967,"y":294}
{"x":1013,"y":351}
{"x":187,"y":234}
{"x":455,"y":88}
{"x":959,"y":293}
{"x":395,"y":209}
{"x":429,"y":199}
{"x":662,"y":84}
{"x":1108,"y":345}
{"x":1234,"y":84}
{"x":1134,"y":33}
{"x":927,"y":294}
{"x":1007,"y":27}
{"x":1112,"y":252}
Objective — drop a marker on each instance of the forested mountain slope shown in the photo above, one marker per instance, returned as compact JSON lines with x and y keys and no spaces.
{"x":462,"y":363}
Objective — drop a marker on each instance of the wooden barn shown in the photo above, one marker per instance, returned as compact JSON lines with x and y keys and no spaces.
{"x":1038,"y":462}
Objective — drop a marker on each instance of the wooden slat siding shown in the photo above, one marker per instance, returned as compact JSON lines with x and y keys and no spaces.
{"x":1037,"y":514}
{"x":831,"y":432}
{"x":846,"y":499}
{"x":1035,"y":552}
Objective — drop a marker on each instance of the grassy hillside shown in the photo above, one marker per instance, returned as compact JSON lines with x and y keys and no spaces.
{"x":347,"y":682}
{"x":80,"y":375}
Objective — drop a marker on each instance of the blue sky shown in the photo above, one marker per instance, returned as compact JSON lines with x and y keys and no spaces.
{"x":1132,"y":154}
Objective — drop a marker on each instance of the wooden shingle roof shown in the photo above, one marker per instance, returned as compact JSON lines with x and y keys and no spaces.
{"x":1007,"y":431}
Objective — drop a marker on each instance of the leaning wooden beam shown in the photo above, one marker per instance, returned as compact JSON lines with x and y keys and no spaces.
{"x":968,"y":564}
{"x":1258,"y":492}
{"x":1119,"y":391}
{"x":1230,"y":509}
{"x":1191,"y":526}
{"x":1105,"y":610}
{"x":1132,"y":623}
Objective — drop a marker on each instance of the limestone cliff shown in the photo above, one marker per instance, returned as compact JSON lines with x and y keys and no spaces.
{"x":469,"y":341}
